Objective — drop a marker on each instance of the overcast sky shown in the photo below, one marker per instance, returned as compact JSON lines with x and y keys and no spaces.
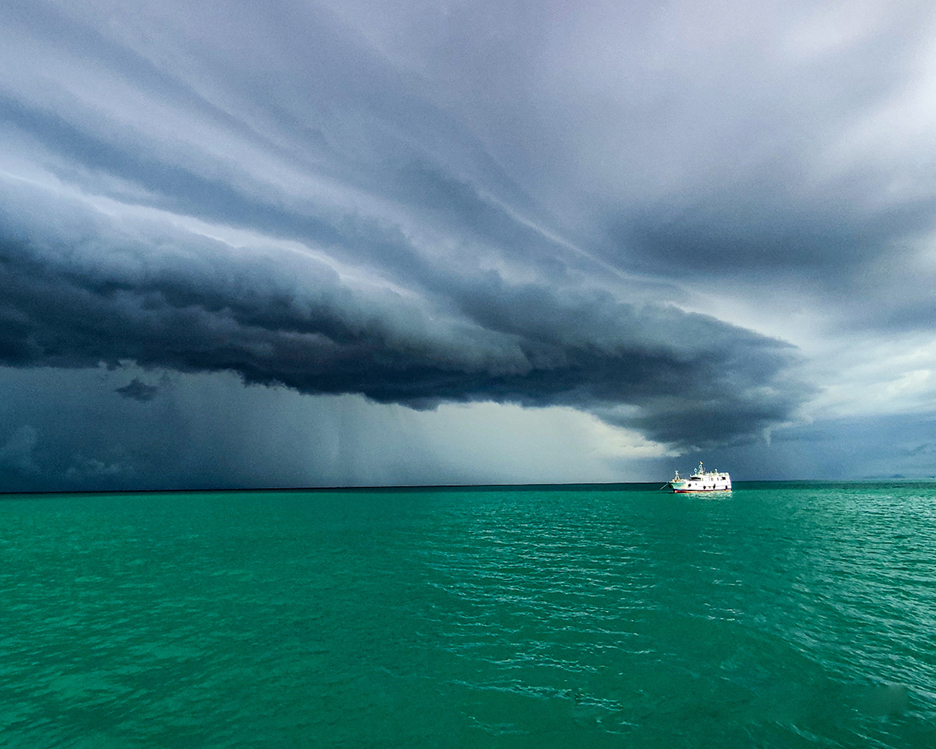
{"x":417,"y":241}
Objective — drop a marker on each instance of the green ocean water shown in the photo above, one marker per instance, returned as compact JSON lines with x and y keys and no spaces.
{"x":779,"y":615}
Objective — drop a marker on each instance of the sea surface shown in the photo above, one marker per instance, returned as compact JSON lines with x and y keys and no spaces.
{"x":777,"y":615}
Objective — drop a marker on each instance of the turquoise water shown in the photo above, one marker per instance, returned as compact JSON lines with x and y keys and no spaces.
{"x":781,"y":615}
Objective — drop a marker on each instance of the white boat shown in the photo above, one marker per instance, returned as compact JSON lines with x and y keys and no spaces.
{"x":701,"y":481}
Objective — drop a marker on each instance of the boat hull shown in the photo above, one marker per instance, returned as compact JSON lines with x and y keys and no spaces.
{"x":694,"y":487}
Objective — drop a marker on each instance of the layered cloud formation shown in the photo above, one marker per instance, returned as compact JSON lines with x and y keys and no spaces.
{"x":624,"y":211}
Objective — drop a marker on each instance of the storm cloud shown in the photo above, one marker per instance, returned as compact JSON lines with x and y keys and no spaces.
{"x":164,"y":298}
{"x":657,"y":216}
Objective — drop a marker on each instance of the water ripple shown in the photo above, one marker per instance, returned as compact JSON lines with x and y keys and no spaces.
{"x":784,"y":615}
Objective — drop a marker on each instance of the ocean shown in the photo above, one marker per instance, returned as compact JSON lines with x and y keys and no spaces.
{"x":779,"y":615}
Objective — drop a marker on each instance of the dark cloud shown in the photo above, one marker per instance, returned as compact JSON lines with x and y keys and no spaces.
{"x":832,"y":253}
{"x":285,"y":319}
{"x":138,"y":390}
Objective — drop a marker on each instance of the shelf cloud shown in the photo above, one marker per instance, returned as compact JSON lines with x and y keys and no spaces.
{"x":97,"y":291}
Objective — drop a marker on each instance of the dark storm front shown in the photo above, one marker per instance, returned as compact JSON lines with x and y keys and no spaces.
{"x":781,"y":615}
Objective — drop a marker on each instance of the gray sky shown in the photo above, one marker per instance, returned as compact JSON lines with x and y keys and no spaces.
{"x":299,"y":243}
